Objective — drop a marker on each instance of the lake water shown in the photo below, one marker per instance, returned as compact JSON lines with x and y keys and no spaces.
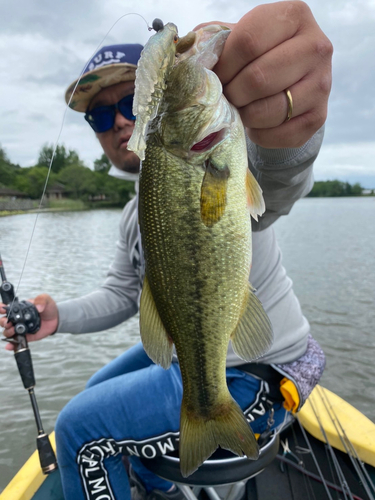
{"x":328,"y":250}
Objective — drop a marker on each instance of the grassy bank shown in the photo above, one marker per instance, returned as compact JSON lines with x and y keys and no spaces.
{"x":65,"y":205}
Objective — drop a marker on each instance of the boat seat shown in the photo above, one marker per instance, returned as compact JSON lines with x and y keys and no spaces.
{"x":223,"y":468}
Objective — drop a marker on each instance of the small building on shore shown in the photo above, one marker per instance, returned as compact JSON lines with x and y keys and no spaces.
{"x":11,"y":200}
{"x":13,"y":194}
{"x":56,"y":191}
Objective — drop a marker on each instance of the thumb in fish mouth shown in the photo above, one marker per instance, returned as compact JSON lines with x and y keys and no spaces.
{"x":186,"y":42}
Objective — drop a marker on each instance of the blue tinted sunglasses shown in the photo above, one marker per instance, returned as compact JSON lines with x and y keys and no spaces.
{"x":102,"y":118}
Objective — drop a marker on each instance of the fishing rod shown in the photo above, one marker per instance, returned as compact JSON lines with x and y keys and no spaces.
{"x":348,"y":446}
{"x":339,"y":472}
{"x":26,"y":320}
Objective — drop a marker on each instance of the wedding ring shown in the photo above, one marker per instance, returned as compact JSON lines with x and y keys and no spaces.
{"x":290,"y":105}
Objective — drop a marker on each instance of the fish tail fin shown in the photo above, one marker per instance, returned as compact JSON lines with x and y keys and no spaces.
{"x":227,"y":427}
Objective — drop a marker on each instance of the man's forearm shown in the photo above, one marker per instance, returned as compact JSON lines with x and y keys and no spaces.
{"x":95,"y":312}
{"x":285,"y":176}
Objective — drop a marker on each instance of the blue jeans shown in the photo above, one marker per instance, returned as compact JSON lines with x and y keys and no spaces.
{"x":130,"y":406}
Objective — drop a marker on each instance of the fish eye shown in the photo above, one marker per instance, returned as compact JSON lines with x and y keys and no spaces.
{"x":175,"y":39}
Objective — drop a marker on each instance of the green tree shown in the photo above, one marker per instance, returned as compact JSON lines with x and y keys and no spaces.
{"x":102,"y":164}
{"x":335,"y":188}
{"x":118,"y":191}
{"x":62,"y":159}
{"x":357,"y":189}
{"x":32,"y":180}
{"x":8,"y":171}
{"x":78,"y":180}
{"x":3,"y":156}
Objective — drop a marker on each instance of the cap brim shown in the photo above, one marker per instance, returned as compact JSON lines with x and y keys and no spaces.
{"x":94,"y":81}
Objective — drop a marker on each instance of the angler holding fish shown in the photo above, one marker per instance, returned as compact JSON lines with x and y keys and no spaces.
{"x":196,"y":196}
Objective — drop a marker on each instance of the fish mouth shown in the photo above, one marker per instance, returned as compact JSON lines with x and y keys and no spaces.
{"x":186,"y":42}
{"x":207,"y":142}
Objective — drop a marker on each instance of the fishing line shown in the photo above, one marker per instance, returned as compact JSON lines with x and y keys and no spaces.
{"x":329,"y":462}
{"x":299,"y":452}
{"x":349,"y":443}
{"x":314,"y":458}
{"x":339,"y":472}
{"x":340,"y":475}
{"x":349,"y":448}
{"x":305,"y":477}
{"x":59,"y":135}
{"x":312,"y":475}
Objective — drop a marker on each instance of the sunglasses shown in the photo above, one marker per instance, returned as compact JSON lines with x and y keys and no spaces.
{"x":102,"y":118}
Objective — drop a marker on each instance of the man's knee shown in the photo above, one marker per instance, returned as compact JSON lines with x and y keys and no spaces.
{"x":70,"y":422}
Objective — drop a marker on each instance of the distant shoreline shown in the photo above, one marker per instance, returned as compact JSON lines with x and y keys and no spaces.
{"x":82,"y":207}
{"x":7,"y":213}
{"x":61,"y":205}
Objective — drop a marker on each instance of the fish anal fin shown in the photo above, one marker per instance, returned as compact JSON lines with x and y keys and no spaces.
{"x":156,"y":341}
{"x":253,"y":335}
{"x":255,"y":199}
{"x":200,"y":437}
{"x":213,"y":193}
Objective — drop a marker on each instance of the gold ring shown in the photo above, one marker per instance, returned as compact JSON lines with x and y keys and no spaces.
{"x":290,"y":105}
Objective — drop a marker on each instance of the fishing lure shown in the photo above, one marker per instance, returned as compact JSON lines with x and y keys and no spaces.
{"x":150,"y":81}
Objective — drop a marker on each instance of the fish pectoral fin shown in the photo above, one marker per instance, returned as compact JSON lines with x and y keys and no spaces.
{"x":156,"y":341}
{"x":213,"y":193}
{"x":253,"y":335}
{"x":200,"y":437}
{"x":255,"y":199}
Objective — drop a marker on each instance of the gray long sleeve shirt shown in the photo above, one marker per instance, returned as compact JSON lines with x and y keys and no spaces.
{"x":285,"y":176}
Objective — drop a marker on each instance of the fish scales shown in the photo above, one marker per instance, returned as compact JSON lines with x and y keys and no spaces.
{"x":196,"y":235}
{"x":193,"y":270}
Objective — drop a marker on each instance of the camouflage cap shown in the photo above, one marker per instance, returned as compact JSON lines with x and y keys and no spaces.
{"x":110,"y":65}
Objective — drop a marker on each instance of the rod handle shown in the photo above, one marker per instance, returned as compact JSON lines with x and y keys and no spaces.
{"x":25,"y":367}
{"x":47,"y":456}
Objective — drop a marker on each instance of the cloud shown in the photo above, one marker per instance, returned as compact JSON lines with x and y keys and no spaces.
{"x":45,"y":45}
{"x":348,"y":162}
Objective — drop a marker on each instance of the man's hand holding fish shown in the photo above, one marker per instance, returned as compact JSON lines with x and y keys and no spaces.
{"x":274,"y":48}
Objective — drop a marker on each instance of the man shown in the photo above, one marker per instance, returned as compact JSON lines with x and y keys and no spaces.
{"x":132,"y":406}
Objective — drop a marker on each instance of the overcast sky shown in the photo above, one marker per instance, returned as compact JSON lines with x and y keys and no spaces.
{"x":44,"y":45}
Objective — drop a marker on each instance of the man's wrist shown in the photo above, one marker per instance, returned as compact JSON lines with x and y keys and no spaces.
{"x":263,"y":157}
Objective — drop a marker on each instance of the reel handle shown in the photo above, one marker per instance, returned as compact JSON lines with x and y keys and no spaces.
{"x":7,"y":292}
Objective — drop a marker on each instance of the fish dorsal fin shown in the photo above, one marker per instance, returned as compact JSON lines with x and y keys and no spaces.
{"x":254,"y":196}
{"x":156,"y":341}
{"x":213,"y":194}
{"x":253,"y":335}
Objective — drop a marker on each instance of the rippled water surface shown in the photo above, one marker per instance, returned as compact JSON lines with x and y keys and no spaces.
{"x":328,"y":250}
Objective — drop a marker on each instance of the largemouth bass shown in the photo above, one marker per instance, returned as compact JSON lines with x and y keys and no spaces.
{"x":196,"y":195}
